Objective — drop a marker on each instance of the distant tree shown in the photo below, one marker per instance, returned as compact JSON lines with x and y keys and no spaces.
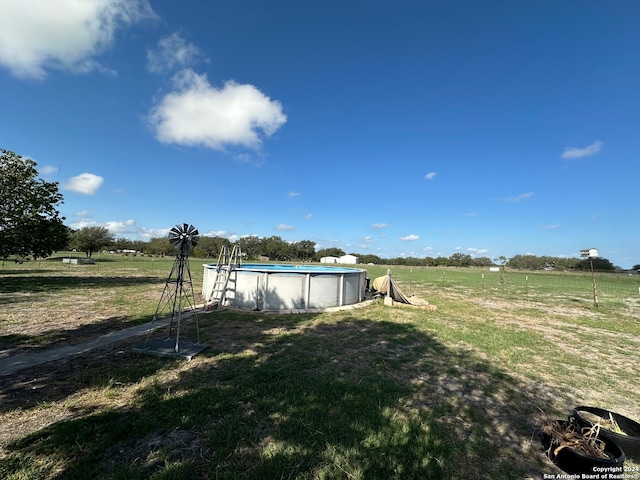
{"x":304,"y":250}
{"x":250,"y":245}
{"x":210,"y":247}
{"x":600,"y":264}
{"x":159,"y":246}
{"x":413,"y":261}
{"x":502,"y":260}
{"x":527,"y":262}
{"x":376,"y":260}
{"x":460,"y":260}
{"x":138,"y":245}
{"x":533,"y":262}
{"x":565,"y":263}
{"x":30,"y":223}
{"x":482,"y":262}
{"x":442,"y":262}
{"x":430,"y":261}
{"x":276,"y":248}
{"x":91,"y":239}
{"x":397,"y":261}
{"x":123,"y":244}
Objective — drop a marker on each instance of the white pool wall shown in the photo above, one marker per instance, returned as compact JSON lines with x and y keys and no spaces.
{"x":289,"y":287}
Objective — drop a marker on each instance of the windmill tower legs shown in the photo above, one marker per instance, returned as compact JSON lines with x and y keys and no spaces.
{"x":177,"y":297}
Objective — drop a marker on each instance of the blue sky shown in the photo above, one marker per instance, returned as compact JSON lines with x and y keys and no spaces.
{"x":395,"y":128}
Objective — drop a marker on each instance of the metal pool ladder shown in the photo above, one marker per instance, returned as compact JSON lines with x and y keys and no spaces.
{"x":227,"y":262}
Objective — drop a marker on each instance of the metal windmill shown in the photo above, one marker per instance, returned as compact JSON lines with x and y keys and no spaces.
{"x":178,"y":295}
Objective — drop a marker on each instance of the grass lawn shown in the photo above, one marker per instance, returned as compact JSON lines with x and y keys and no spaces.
{"x":369,"y":393}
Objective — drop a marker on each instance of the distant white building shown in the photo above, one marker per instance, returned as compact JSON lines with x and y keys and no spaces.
{"x":348,"y":259}
{"x":329,"y":260}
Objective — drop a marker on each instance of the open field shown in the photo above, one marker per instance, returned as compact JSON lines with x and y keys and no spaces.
{"x":368,"y":393}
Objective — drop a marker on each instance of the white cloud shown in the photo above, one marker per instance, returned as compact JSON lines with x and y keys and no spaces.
{"x":430,"y":175}
{"x":477,"y":251}
{"x":38,"y":35}
{"x":149,"y":233}
{"x":308,"y":216}
{"x":293,"y":194}
{"x":118,"y":228}
{"x":48,"y":170}
{"x":173,"y":52}
{"x":380,"y":225}
{"x":553,"y":226}
{"x":410,"y":238}
{"x":282,"y":226}
{"x":572,"y":152}
{"x":84,"y":222}
{"x":519,"y":198}
{"x":85,"y":183}
{"x":219,"y":233}
{"x":198,"y":114}
{"x":82,"y":214}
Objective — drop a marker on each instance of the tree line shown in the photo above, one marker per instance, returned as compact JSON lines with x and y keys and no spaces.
{"x":93,"y":239}
{"x":31,"y":225}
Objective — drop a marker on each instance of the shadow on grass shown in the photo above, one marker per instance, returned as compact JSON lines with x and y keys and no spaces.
{"x":47,"y":284}
{"x":302,"y":397}
{"x":39,"y":271}
{"x":107,"y":367}
{"x":19,"y":343}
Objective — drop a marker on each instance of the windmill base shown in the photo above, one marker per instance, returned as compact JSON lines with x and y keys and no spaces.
{"x":167,"y":348}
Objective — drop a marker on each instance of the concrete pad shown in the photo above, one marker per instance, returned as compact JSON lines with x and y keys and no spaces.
{"x":167,"y":348}
{"x":11,"y":364}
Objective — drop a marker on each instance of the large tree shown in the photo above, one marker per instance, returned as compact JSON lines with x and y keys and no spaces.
{"x":276,"y":248}
{"x":210,"y":247}
{"x":160,"y":246}
{"x":303,"y":250}
{"x":250,"y":245}
{"x":599,"y":264}
{"x":91,"y":239}
{"x":30,"y":223}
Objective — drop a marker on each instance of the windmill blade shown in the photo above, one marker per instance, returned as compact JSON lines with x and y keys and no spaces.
{"x":175,"y":237}
{"x":175,"y":231}
{"x":184,"y":237}
{"x":195,"y":236}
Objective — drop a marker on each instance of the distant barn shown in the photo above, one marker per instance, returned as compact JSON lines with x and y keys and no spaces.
{"x":329,"y":260}
{"x":348,"y":259}
{"x":344,"y":259}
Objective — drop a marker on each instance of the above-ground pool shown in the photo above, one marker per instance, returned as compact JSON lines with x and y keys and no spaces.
{"x":288,"y":287}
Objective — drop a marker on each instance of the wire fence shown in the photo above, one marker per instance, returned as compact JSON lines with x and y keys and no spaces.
{"x":514,"y":284}
{"x":610,"y":287}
